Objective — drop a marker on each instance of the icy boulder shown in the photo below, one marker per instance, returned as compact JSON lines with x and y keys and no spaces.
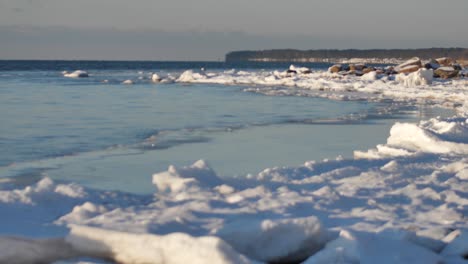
{"x":174,"y":248}
{"x":76,"y":74}
{"x":420,"y":77}
{"x":278,"y":241}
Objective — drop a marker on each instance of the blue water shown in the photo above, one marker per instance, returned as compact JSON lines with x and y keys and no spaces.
{"x":113,"y":136}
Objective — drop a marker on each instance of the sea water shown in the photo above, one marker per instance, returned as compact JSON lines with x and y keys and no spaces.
{"x":101,"y":133}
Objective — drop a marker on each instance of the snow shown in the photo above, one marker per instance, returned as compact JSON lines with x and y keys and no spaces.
{"x":76,"y":74}
{"x":404,"y":201}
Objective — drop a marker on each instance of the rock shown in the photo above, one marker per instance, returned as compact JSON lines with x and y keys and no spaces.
{"x":335,"y":68}
{"x":446,"y":72}
{"x":390,"y":70}
{"x":360,"y":67}
{"x":445,"y":61}
{"x":367,"y":70}
{"x":409,"y":69}
{"x":352,"y":67}
{"x":457,"y":67}
{"x":411,"y":62}
{"x":432,"y":64}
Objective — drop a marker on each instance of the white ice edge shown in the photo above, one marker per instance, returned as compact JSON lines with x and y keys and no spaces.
{"x":405,"y":201}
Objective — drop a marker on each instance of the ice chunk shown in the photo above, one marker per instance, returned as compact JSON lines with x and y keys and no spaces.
{"x":76,"y":74}
{"x":420,"y":77}
{"x":178,"y":179}
{"x":190,"y":76}
{"x":174,"y":248}
{"x":370,"y":76}
{"x":128,"y":82}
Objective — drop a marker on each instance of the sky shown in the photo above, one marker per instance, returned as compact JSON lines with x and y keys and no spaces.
{"x":208,"y":29}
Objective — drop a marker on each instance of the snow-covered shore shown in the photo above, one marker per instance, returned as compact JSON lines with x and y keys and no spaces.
{"x":405,"y":201}
{"x":416,"y":87}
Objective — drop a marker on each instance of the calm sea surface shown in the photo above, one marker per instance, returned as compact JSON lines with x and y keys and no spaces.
{"x":100,"y":133}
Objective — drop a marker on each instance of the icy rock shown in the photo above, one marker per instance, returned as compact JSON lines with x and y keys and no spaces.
{"x":127,"y":82}
{"x":420,"y":77}
{"x":432,"y":64}
{"x":279,"y":241}
{"x":368,"y":69}
{"x":76,"y":74}
{"x":174,"y":248}
{"x":415,"y":63}
{"x":335,"y":68}
{"x":446,"y":72}
{"x":445,"y":61}
{"x":408,"y":69}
